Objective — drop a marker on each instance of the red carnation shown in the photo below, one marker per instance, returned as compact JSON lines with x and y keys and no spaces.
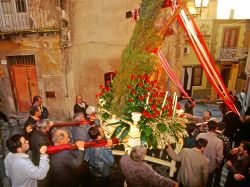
{"x":129,"y":87}
{"x":155,"y":95}
{"x":130,"y":100}
{"x":150,"y":100}
{"x":132,"y":77}
{"x":133,"y":92}
{"x":108,"y":89}
{"x":153,"y":116}
{"x":107,"y":81}
{"x":140,"y":84}
{"x":147,"y":89}
{"x":140,"y":98}
{"x":153,"y":107}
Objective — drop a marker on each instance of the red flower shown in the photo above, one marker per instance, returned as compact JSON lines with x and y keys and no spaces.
{"x":107,"y":81}
{"x":146,"y":95}
{"x":100,"y":94}
{"x":155,"y":95}
{"x":130,"y":100}
{"x":153,"y":116}
{"x":140,"y":84}
{"x":158,"y":101}
{"x":181,"y":115}
{"x":147,"y":89}
{"x":108,"y":89}
{"x":101,"y":86}
{"x":140,"y":98}
{"x":133,"y":92}
{"x":146,"y":114}
{"x":153,"y":107}
{"x":96,"y":95}
{"x":132,"y":77}
{"x":150,"y":100}
{"x":129,"y":87}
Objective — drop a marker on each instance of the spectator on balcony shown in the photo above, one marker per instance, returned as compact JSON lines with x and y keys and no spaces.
{"x":37,"y":100}
{"x":80,"y":106}
{"x":139,"y":173}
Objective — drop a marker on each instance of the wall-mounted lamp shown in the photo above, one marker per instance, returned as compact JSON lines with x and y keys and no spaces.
{"x":198,"y":8}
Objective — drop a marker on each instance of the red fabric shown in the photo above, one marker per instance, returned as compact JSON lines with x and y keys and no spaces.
{"x":172,"y":76}
{"x":213,"y":77}
{"x":57,"y":148}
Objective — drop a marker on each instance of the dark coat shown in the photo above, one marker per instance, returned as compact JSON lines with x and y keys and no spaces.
{"x":37,"y":140}
{"x":79,"y":109}
{"x":68,"y":169}
{"x":44,"y":113}
{"x":233,"y":124}
{"x":29,"y":121}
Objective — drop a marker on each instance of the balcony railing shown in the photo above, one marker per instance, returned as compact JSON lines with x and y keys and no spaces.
{"x":18,"y":16}
{"x":232,"y":54}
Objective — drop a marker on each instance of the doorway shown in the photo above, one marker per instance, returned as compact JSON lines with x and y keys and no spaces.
{"x":24,"y":80}
{"x":225,"y":74}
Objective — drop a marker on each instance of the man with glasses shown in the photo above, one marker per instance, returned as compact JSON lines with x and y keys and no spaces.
{"x":18,"y":166}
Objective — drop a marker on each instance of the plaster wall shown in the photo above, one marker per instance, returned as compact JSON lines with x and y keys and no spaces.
{"x":49,"y":67}
{"x":99,"y":34}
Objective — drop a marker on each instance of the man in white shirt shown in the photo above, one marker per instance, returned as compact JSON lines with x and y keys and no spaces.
{"x":18,"y":166}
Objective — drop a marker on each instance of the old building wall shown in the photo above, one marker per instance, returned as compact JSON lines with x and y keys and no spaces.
{"x":99,"y":34}
{"x":49,"y":68}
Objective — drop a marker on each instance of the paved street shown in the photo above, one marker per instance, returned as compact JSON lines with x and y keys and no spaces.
{"x":200,"y":107}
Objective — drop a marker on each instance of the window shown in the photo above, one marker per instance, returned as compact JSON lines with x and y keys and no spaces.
{"x":21,"y":5}
{"x":6,"y":6}
{"x":230,"y":37}
{"x":197,"y":76}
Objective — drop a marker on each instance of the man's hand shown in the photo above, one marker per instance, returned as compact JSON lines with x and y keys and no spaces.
{"x":235,"y":151}
{"x":51,"y":123}
{"x":239,"y":177}
{"x":80,"y":144}
{"x":43,"y":150}
{"x":109,"y":143}
{"x":29,"y":129}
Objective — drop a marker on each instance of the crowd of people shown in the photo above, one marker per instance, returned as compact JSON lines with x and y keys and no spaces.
{"x":214,"y":153}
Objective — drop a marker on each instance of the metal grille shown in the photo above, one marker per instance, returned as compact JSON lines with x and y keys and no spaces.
{"x":24,"y":60}
{"x":29,"y":15}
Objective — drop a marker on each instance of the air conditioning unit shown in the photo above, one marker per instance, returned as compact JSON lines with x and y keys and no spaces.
{"x":186,"y":50}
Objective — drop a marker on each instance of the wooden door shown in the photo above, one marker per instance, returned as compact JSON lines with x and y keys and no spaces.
{"x":24,"y":81}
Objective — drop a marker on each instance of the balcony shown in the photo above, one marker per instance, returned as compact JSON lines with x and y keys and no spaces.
{"x":232,"y":54}
{"x":27,"y":16}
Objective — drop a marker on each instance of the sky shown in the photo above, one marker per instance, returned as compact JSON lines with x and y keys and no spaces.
{"x":241,"y":9}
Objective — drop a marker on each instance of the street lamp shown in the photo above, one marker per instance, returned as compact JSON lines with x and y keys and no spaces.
{"x":200,"y":5}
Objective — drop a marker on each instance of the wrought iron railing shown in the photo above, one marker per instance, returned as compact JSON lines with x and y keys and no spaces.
{"x":232,"y":54}
{"x":18,"y":16}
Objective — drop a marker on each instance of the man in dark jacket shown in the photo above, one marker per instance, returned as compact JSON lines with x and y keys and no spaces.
{"x":80,"y":106}
{"x":40,"y":138}
{"x":68,"y":168}
{"x":37,"y":100}
{"x":34,"y":117}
